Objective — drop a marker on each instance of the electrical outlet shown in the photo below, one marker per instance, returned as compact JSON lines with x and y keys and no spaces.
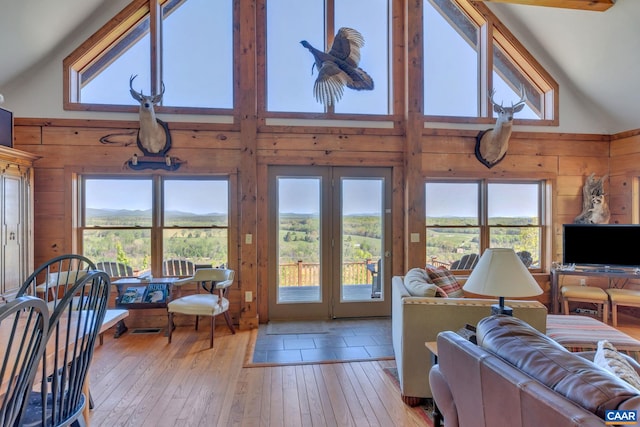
{"x":583,"y":282}
{"x":248,"y":296}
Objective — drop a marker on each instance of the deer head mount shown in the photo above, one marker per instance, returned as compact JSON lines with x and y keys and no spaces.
{"x":154,"y":138}
{"x":492,"y":144}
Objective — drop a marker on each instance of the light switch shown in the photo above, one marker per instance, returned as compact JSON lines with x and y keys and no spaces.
{"x":415,"y":237}
{"x":248,"y":296}
{"x":248,"y":239}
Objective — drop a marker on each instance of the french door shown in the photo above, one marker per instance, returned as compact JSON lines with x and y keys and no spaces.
{"x":329,"y":244}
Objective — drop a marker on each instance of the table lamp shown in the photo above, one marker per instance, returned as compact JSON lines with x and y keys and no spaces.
{"x":500,"y":273}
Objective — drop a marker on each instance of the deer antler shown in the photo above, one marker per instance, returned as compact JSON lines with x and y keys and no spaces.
{"x":493,"y":92}
{"x":523,"y":96}
{"x":136,"y":95}
{"x":157,"y":98}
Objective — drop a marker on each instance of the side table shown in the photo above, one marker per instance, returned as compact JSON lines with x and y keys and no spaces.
{"x":432,"y":346}
{"x":145,"y":300}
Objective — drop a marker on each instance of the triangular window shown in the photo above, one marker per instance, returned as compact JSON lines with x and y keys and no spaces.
{"x":468,"y":55}
{"x":182,"y":46}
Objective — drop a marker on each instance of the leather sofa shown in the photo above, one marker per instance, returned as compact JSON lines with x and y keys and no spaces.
{"x":416,"y":320}
{"x":518,"y":377}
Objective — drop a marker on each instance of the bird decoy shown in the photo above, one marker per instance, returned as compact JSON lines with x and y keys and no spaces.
{"x":339,"y":67}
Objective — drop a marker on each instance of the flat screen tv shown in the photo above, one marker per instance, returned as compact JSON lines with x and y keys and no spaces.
{"x":601,"y":244}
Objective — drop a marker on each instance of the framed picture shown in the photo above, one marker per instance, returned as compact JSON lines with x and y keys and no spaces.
{"x":6,"y":128}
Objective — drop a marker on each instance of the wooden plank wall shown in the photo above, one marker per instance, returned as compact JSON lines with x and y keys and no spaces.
{"x":74,"y":146}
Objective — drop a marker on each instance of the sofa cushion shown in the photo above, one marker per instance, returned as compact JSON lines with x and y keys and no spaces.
{"x":446,"y":281}
{"x":418,"y":284}
{"x":574,"y":377}
{"x":615,"y":363}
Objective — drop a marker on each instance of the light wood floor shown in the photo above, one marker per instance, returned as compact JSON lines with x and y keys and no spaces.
{"x":141,"y":380}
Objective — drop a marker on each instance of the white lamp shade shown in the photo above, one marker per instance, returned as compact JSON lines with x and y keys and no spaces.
{"x":501,"y":273}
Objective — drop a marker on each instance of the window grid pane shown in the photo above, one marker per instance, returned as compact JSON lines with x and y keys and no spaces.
{"x":197,"y":72}
{"x":513,"y":212}
{"x":118,"y":221}
{"x":451,"y":61}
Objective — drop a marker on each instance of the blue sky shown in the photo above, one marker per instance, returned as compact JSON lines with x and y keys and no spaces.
{"x":301,"y":195}
{"x":181,"y":195}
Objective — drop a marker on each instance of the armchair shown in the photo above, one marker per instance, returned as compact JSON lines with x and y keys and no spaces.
{"x":216,"y":282}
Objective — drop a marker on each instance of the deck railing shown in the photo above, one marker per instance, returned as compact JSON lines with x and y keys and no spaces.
{"x":308,"y":274}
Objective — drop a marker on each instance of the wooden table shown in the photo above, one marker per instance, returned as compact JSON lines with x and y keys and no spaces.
{"x":127,"y":282}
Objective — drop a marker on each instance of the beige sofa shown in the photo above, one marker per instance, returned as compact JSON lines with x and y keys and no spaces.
{"x":416,"y":320}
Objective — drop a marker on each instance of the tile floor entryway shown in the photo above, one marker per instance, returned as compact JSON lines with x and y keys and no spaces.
{"x":344,"y":340}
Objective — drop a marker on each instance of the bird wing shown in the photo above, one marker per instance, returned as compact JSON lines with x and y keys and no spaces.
{"x":358,"y":79}
{"x":346,"y":46}
{"x":329,"y":85}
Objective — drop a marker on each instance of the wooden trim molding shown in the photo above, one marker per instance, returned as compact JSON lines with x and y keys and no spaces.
{"x":594,"y":5}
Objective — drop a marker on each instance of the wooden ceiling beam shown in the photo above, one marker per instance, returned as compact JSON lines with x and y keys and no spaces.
{"x":594,"y":5}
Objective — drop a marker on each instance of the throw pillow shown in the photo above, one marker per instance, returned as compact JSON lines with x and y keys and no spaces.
{"x":608,"y":358}
{"x":418,"y":284}
{"x":446,"y":281}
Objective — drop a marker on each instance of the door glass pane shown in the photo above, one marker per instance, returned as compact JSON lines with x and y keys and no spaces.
{"x":299,"y":240}
{"x":361,"y":227}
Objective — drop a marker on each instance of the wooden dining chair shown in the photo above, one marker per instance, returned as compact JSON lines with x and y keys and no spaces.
{"x":178,"y":267}
{"x":60,"y":399}
{"x":24,"y":323}
{"x":115,"y":269}
{"x":215,"y":282}
{"x":52,"y":279}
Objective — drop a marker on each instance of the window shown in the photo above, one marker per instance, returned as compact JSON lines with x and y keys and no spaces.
{"x":465,"y":217}
{"x":468,"y":54}
{"x":121,"y":219}
{"x":290,"y":76}
{"x":194,"y":63}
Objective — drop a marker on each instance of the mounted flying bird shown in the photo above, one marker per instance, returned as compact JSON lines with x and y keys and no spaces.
{"x":339,"y":67}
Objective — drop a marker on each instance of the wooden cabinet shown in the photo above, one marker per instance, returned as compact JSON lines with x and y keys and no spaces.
{"x":16,"y":219}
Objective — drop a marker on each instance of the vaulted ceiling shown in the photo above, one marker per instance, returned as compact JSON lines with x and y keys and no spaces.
{"x":596,"y":51}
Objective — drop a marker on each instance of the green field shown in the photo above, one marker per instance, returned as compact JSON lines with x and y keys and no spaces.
{"x":299,"y":238}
